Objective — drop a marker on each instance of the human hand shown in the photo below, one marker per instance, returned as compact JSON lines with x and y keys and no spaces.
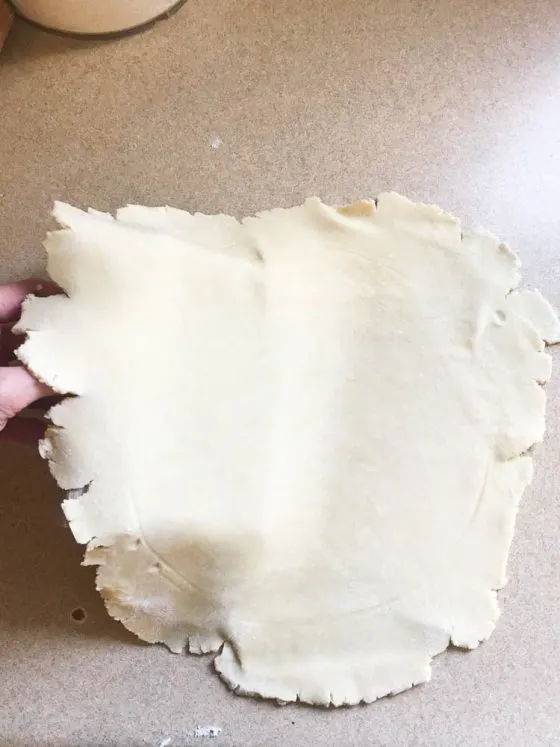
{"x":18,"y":388}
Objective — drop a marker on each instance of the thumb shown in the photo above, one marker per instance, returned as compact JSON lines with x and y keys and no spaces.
{"x":18,"y":389}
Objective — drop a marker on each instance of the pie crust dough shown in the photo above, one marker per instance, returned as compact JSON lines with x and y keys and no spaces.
{"x":301,"y":439}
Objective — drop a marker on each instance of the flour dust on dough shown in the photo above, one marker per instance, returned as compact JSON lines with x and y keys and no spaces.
{"x":303,"y":437}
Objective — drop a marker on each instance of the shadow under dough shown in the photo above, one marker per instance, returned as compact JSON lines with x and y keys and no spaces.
{"x":42,"y":584}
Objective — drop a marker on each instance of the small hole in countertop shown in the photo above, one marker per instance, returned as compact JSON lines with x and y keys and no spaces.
{"x":79,"y":615}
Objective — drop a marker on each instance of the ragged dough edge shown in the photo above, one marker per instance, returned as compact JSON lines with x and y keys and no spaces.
{"x":540,"y":317}
{"x":532,"y":306}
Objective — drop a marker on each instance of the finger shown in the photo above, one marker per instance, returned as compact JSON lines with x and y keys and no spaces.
{"x":13,"y":294}
{"x":23,"y":430}
{"x":18,"y":389}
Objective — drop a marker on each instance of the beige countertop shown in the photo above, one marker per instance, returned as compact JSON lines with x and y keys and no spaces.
{"x":235,"y":106}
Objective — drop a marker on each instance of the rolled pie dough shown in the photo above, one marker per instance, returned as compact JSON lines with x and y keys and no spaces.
{"x":302,"y":437}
